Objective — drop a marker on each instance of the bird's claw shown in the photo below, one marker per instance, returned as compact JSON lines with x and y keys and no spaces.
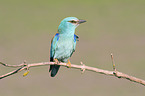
{"x":68,"y":64}
{"x":56,"y":61}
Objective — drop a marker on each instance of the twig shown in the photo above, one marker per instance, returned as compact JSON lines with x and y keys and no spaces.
{"x":81,"y":67}
{"x":113,"y":63}
{"x":10,"y":73}
{"x":6,"y":65}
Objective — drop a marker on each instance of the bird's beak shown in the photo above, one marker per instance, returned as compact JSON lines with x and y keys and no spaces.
{"x":81,"y":21}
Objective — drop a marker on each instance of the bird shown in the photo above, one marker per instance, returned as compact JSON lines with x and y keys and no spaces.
{"x":63,"y":43}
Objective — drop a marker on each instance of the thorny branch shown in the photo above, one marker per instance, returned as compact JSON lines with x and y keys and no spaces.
{"x":82,"y":67}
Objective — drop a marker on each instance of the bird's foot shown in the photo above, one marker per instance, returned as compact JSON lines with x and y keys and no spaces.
{"x":68,"y":64}
{"x":56,"y":61}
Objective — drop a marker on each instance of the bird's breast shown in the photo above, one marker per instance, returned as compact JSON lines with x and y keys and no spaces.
{"x":64,"y":48}
{"x":65,"y":44}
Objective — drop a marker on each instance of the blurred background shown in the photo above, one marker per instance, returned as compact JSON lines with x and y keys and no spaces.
{"x":117,"y":26}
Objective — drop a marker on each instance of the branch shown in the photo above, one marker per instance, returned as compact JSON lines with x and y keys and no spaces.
{"x":83,"y":67}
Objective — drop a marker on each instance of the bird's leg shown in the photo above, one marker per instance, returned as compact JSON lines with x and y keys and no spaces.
{"x":68,"y":64}
{"x":56,"y":61}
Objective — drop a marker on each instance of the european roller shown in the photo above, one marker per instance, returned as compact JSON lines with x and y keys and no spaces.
{"x":63,"y":44}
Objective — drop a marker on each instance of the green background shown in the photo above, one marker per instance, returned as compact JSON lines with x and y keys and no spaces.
{"x":117,"y":26}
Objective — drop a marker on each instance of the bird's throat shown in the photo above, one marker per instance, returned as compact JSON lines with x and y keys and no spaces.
{"x":67,"y":33}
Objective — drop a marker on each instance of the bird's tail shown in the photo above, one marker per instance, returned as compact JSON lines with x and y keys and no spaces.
{"x":54,"y":69}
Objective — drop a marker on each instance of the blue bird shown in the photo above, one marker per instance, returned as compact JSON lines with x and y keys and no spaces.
{"x":63,"y":43}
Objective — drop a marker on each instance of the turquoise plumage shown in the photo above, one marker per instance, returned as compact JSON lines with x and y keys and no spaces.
{"x":63,"y":44}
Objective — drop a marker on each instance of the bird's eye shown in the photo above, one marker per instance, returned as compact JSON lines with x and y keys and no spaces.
{"x":73,"y":21}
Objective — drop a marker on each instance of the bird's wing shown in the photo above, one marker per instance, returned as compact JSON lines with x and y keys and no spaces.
{"x":53,"y":45}
{"x":76,"y":38}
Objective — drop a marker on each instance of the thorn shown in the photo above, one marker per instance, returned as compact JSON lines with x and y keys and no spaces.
{"x":83,"y":67}
{"x":25,"y":61}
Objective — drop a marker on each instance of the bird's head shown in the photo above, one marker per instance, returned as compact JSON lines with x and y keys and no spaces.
{"x":69,"y":24}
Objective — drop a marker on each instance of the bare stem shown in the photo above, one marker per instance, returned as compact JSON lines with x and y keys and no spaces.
{"x":82,"y":67}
